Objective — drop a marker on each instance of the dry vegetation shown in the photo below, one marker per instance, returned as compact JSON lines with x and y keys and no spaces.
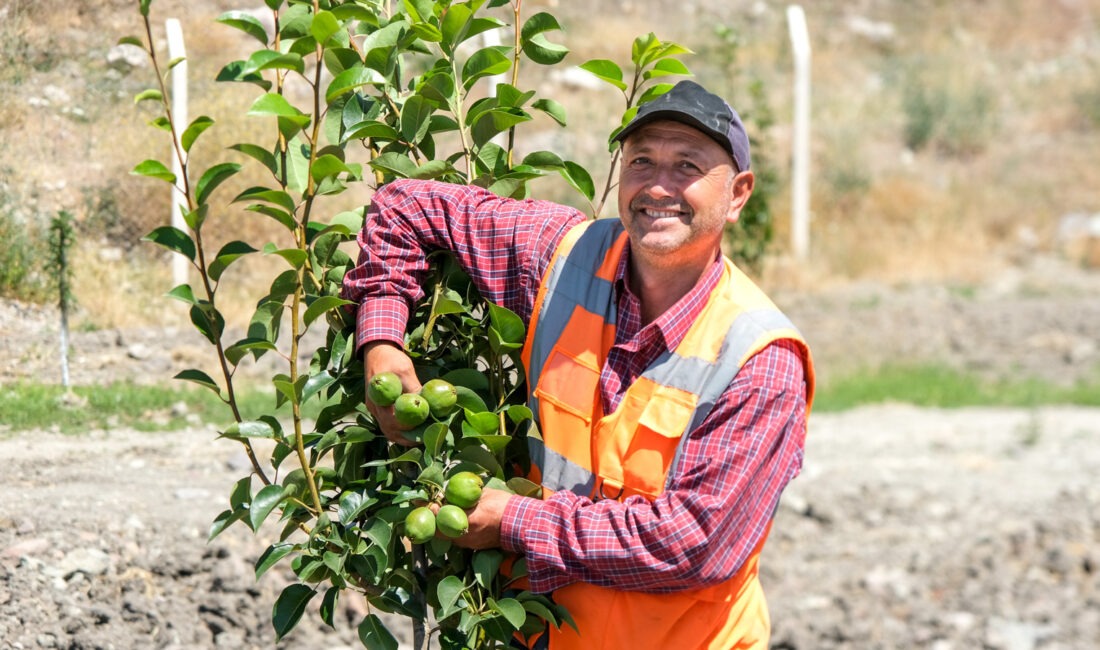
{"x":950,"y":138}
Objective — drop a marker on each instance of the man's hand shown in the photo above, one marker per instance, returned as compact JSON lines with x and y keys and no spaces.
{"x":383,"y":356}
{"x":485,"y":519}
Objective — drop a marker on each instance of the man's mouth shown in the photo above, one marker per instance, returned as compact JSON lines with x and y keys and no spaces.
{"x":660,"y":212}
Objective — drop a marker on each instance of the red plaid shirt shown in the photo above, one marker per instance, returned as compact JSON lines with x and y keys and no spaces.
{"x":719,"y":502}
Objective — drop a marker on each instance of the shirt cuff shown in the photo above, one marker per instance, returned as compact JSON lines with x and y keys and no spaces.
{"x":518,"y":512}
{"x":381,"y":319}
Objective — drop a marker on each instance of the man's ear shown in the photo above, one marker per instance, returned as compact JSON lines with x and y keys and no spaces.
{"x":740,"y":191}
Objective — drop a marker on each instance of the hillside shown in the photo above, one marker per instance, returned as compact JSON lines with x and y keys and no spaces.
{"x":951,"y":141}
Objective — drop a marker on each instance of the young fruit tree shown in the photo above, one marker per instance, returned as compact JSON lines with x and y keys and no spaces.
{"x":391,"y":91}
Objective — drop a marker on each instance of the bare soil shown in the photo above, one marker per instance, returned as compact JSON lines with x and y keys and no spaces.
{"x":908,"y":528}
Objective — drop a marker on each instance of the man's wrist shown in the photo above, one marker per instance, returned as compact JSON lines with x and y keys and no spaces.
{"x":518,"y":514}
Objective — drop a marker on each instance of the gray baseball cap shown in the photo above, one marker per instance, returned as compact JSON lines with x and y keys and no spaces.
{"x":691,"y":104}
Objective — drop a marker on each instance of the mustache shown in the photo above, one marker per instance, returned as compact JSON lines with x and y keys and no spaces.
{"x":663,"y":204}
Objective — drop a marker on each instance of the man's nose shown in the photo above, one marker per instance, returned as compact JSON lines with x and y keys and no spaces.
{"x":661,"y":185}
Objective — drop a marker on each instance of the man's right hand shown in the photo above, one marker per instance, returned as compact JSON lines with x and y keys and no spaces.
{"x":384,"y":356}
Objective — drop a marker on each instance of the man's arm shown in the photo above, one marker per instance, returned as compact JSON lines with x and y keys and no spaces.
{"x":714,"y":513}
{"x":503,"y":244}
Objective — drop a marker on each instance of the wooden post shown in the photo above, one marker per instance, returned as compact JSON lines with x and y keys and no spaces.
{"x":179,"y":116}
{"x":800,"y":145}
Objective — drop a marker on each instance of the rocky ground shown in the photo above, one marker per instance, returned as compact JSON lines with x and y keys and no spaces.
{"x":909,"y":528}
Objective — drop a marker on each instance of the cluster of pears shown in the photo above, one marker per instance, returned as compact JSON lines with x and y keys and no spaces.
{"x":463,"y":490}
{"x":437,"y":397}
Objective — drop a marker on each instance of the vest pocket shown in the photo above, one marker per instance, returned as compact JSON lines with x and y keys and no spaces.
{"x":662,"y":420}
{"x":568,"y":384}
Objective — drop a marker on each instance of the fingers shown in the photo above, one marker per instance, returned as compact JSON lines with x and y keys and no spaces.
{"x":384,"y":356}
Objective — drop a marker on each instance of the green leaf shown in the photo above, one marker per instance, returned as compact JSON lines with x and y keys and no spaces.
{"x":416,"y":115}
{"x":324,"y":26}
{"x":289,"y":607}
{"x":643,"y":48}
{"x":235,"y":71}
{"x":278,"y":197}
{"x":247,"y":23}
{"x":256,"y":346}
{"x":481,"y":424}
{"x":486,"y":565}
{"x":271,"y":60}
{"x":208,"y":321}
{"x":328,"y":606}
{"x":316,"y":383}
{"x":350,"y":79}
{"x":511,"y":610}
{"x":328,"y":165}
{"x":323,"y":304}
{"x":432,"y":169}
{"x":296,"y":257}
{"x":579,"y":178}
{"x":212,"y":178}
{"x":507,"y":324}
{"x":131,"y":40}
{"x":374,"y":635}
{"x":223,"y":521}
{"x":195,"y":218}
{"x":150,"y":94}
{"x":666,"y":67}
{"x":524,"y":487}
{"x":484,"y":63}
{"x":249,"y":429}
{"x":449,"y":592}
{"x":183,"y":292}
{"x":605,"y":70}
{"x":534,"y":43}
{"x":199,"y":377}
{"x":271,"y":556}
{"x":174,"y":240}
{"x":653,"y":92}
{"x":297,"y":165}
{"x":544,"y":160}
{"x":154,"y":169}
{"x":263,"y":503}
{"x":551,"y":108}
{"x":266,"y":158}
{"x":273,"y":104}
{"x":397,"y":164}
{"x":228,"y":254}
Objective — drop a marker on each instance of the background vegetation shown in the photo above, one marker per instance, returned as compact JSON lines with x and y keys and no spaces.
{"x":950,"y":139}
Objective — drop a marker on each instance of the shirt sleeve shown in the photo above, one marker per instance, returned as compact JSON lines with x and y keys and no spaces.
{"x":715,"y":511}
{"x":504,"y":245}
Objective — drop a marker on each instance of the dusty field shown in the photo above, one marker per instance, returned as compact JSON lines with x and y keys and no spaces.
{"x":909,"y":528}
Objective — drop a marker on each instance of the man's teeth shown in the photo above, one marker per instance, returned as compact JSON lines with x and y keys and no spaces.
{"x":662,"y":214}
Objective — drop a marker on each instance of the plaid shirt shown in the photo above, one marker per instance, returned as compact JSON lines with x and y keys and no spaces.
{"x":718,"y":504}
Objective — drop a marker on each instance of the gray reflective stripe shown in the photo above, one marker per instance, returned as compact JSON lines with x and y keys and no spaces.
{"x":712,"y":381}
{"x":571,"y":282}
{"x":558,"y":472}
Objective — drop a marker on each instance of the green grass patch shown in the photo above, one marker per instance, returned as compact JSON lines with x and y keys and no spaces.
{"x":942,"y":387}
{"x":26,"y":406}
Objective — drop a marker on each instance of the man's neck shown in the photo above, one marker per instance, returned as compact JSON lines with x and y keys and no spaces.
{"x":658,"y":289}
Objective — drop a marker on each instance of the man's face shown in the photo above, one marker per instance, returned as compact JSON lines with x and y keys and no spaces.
{"x":677,"y":190}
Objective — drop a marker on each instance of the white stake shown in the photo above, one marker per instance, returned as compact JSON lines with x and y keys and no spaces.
{"x":179,"y":116}
{"x":800,"y":145}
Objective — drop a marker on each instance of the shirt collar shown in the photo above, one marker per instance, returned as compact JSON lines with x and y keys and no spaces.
{"x":674,"y":324}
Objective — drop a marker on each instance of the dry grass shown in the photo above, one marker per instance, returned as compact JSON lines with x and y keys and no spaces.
{"x":1007,"y":93}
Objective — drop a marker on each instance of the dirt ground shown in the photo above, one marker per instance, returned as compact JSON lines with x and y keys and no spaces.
{"x":908,"y":528}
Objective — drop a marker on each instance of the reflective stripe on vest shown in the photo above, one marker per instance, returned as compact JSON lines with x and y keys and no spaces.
{"x":581,"y":277}
{"x":633,"y":450}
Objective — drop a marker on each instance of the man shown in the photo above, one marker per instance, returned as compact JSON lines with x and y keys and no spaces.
{"x":671,"y":395}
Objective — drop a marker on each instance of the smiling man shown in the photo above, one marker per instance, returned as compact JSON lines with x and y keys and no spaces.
{"x":670,"y":393}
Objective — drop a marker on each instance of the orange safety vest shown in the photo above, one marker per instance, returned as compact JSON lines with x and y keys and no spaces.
{"x":630,"y":451}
